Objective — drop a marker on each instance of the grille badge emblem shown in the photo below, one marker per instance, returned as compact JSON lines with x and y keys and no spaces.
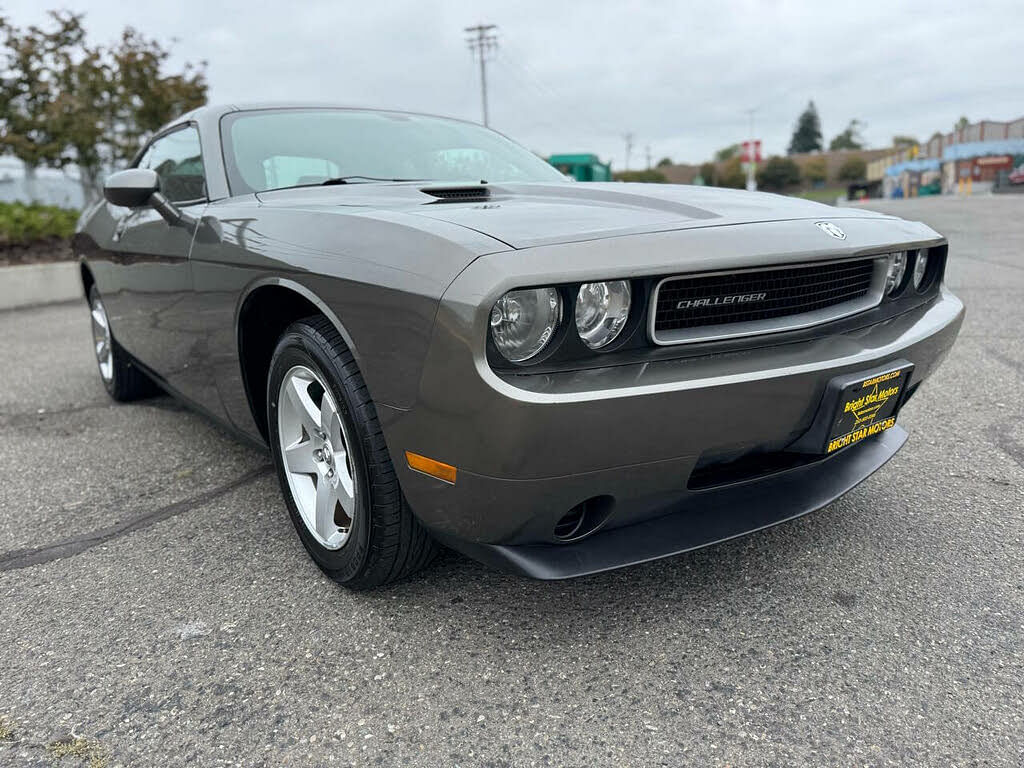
{"x":831,"y":229}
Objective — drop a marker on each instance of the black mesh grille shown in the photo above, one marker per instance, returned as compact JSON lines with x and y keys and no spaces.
{"x":691,"y":302}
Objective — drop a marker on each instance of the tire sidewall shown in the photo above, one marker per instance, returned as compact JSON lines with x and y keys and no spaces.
{"x":301,"y":346}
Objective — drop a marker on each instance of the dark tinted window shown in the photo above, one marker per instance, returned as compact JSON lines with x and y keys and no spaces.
{"x":179,"y":163}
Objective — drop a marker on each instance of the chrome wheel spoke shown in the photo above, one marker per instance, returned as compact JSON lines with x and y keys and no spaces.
{"x":346,"y":491}
{"x":297,"y":390}
{"x":99,"y":319}
{"x":102,"y":345}
{"x":330,"y":423}
{"x":299,"y":457}
{"x":326,"y":503}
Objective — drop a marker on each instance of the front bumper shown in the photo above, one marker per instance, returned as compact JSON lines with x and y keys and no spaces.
{"x":530,"y":448}
{"x":705,"y":518}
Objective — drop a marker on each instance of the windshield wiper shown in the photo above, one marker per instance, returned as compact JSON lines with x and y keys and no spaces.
{"x":345,"y":179}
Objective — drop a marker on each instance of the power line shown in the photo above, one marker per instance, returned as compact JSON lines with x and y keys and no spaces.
{"x":482,"y":42}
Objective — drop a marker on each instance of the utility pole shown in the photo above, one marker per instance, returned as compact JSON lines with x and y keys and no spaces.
{"x":751,"y":165}
{"x":647,"y":149}
{"x":482,"y":42}
{"x":629,"y":148}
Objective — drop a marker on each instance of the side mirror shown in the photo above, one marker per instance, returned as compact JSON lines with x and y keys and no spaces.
{"x":132,"y":188}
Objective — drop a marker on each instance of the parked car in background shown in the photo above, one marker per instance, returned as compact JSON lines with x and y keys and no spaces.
{"x":441,"y":339}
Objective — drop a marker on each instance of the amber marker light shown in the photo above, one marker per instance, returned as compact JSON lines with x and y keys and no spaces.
{"x":431,"y":467}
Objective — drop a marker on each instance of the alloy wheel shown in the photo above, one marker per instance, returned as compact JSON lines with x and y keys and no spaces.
{"x":314,"y":443}
{"x":102,"y":342}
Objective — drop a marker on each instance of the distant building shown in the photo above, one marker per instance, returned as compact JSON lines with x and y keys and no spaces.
{"x":964,"y":161}
{"x":582,"y":167}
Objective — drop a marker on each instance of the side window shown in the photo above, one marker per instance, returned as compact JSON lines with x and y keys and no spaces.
{"x":178,"y":162}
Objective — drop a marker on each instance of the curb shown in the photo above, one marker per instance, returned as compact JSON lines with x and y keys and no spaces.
{"x":31,"y":284}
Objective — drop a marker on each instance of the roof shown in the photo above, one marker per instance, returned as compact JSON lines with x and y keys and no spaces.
{"x":912,"y":165}
{"x":971,"y":149}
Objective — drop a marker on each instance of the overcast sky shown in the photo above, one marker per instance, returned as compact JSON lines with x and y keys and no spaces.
{"x":572,"y":77}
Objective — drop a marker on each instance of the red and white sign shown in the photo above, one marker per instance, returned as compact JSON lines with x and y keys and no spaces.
{"x":745,"y":153}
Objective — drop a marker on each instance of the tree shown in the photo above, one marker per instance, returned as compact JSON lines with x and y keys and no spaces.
{"x":66,"y":102}
{"x":853,"y":169}
{"x":815,"y":170}
{"x":962,"y":123}
{"x":29,"y":86}
{"x":807,"y":134}
{"x":145,"y":98}
{"x":904,"y":142}
{"x":731,"y":174}
{"x":849,"y":138}
{"x":707,"y":172}
{"x":727,"y":153}
{"x":777,"y":174}
{"x":664,"y":162}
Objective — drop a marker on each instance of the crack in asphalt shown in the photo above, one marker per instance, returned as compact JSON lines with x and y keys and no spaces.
{"x":24,"y":558}
{"x":1006,"y":360}
{"x":21,"y":418}
{"x":1003,"y":439}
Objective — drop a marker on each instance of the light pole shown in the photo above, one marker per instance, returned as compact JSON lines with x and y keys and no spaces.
{"x":751,"y":168}
{"x":482,"y":42}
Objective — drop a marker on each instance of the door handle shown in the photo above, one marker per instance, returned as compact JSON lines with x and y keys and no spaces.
{"x":119,"y":228}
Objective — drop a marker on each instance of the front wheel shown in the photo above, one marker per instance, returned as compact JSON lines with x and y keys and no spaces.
{"x":333,"y":465}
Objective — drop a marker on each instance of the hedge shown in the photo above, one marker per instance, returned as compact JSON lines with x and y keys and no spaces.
{"x":27,"y":223}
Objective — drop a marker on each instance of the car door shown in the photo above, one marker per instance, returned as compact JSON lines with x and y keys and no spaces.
{"x":152,"y":317}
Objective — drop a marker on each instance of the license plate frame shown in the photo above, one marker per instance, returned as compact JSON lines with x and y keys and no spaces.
{"x":857,"y":406}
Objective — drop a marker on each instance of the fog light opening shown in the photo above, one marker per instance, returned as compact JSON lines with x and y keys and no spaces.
{"x":584,"y":519}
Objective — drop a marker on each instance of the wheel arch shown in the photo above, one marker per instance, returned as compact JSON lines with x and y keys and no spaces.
{"x":88,"y":280}
{"x":265,"y":309}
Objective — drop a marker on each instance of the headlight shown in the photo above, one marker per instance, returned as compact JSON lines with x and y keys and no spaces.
{"x":602,"y":310}
{"x":523,"y":322}
{"x":920,"y":268}
{"x":897,"y":269}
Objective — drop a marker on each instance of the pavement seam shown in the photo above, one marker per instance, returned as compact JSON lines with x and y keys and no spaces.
{"x":24,"y":558}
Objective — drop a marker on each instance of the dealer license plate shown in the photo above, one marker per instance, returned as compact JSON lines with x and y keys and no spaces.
{"x":867,"y":407}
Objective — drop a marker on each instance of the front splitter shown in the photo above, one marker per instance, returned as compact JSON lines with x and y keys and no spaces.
{"x":706,"y":517}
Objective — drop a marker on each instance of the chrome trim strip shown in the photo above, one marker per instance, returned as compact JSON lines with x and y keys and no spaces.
{"x":776,"y":324}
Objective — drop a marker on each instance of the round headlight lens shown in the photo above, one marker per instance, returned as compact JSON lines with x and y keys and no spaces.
{"x":897,"y":269}
{"x":602,"y":310}
{"x":523,"y":322}
{"x":920,"y":268}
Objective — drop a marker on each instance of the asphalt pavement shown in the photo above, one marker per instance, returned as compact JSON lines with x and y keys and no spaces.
{"x":156,"y":607}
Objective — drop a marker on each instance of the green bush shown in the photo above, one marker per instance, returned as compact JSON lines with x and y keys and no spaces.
{"x":778,"y":174}
{"x":655,"y":177}
{"x":853,"y":169}
{"x":25,"y":223}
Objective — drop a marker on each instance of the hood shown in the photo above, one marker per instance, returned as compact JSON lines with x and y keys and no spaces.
{"x":528,"y":215}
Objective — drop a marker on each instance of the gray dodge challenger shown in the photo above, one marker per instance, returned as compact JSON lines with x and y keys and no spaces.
{"x":443,"y":340}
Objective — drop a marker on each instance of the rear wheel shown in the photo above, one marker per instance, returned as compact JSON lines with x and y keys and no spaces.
{"x":333,"y":465}
{"x":119,"y":373}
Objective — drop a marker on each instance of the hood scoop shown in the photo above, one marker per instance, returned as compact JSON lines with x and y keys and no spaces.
{"x":460,"y":194}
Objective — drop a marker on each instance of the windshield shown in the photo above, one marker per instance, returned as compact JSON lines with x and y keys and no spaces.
{"x":270,"y":149}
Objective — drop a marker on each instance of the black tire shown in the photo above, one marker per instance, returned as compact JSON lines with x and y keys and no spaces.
{"x":127,"y":381}
{"x":386,"y":542}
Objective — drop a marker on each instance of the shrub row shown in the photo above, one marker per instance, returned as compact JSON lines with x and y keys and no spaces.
{"x":27,"y":223}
